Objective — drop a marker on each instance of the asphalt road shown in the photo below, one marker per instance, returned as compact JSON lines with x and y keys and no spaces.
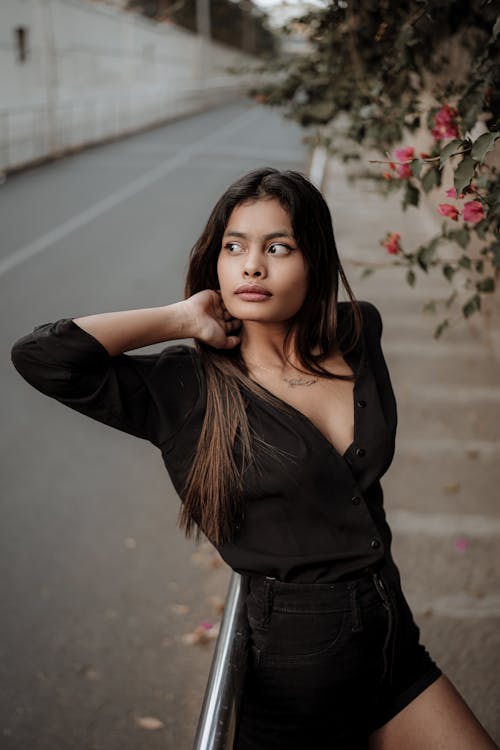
{"x":98,"y":584}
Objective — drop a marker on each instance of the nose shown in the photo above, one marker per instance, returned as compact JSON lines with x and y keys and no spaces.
{"x":254,"y":266}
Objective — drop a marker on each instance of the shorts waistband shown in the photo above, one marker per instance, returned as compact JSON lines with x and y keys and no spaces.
{"x":336,"y":594}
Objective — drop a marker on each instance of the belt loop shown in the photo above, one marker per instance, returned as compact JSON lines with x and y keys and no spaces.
{"x":357,"y":625}
{"x":268,"y":600}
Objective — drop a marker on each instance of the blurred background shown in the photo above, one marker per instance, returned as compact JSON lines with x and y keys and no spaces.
{"x":121,"y":123}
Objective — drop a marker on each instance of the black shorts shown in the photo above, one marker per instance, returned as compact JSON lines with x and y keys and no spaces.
{"x":328,"y":663}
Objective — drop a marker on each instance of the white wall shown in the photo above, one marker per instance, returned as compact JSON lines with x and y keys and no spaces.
{"x":94,"y":71}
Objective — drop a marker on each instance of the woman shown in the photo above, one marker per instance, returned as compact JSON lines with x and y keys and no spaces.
{"x":276,"y":429}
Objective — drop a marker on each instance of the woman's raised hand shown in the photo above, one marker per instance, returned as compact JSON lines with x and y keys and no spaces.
{"x":213,"y":324}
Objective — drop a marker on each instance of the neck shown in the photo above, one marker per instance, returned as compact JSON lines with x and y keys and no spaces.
{"x":263,"y":343}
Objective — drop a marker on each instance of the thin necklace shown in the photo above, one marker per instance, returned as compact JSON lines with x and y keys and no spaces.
{"x":291,"y":381}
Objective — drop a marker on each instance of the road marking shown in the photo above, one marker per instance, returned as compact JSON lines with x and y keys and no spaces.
{"x":443,"y":524}
{"x":122,"y":194}
{"x":428,"y":447}
{"x":458,"y":606}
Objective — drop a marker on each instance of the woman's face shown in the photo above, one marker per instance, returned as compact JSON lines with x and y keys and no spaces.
{"x":258,"y":248}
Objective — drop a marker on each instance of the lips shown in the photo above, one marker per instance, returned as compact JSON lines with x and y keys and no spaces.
{"x":252,"y":289}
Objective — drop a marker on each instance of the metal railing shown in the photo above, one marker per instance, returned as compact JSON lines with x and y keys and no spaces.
{"x":218,"y":722}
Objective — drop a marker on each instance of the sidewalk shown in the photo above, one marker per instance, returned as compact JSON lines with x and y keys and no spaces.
{"x":440,"y":491}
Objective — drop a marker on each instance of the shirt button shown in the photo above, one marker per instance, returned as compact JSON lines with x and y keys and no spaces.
{"x":375,"y":544}
{"x":356,"y":500}
{"x":361,"y":403}
{"x":360,"y":451}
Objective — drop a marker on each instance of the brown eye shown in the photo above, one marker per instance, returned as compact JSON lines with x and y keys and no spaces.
{"x":230,"y":245}
{"x":287,"y":249}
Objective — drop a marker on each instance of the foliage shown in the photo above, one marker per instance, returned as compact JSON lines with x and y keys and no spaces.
{"x":389,"y":69}
{"x":240,"y":24}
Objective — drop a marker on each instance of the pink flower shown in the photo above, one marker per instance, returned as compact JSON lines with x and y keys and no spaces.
{"x":406,"y":154}
{"x":392,"y":243}
{"x":206,"y":625}
{"x":452,"y":193}
{"x":473,"y":212}
{"x":462,"y":544}
{"x":444,"y":123}
{"x":404,"y":171}
{"x":446,"y":209}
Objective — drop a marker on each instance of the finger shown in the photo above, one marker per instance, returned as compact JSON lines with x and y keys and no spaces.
{"x":231,"y":342}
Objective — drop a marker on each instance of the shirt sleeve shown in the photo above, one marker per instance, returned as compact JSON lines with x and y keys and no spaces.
{"x":374,"y":328}
{"x":148,"y":396}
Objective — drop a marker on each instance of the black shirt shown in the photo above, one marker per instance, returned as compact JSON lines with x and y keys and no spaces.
{"x":312,"y":515}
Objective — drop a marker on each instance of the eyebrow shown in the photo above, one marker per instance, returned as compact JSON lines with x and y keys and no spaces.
{"x":270,"y":236}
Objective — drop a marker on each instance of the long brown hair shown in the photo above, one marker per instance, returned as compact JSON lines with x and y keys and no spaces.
{"x":227,"y":445}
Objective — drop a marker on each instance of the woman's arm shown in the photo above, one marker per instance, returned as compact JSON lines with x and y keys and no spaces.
{"x":121,"y":331}
{"x":147,"y":395}
{"x":202,"y":316}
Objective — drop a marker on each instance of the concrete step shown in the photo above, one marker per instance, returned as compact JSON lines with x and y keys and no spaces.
{"x":441,"y":483}
{"x":447,"y":566}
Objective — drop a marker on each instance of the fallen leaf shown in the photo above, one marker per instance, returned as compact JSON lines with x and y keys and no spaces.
{"x":203,"y":633}
{"x":148,"y":722}
{"x":216,"y":561}
{"x":130,"y":542}
{"x":478,"y":594}
{"x":179,"y":609}
{"x":452,"y":488}
{"x":92,"y":674}
{"x":217,"y":604}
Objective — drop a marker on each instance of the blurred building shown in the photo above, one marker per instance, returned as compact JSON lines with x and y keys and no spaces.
{"x":75,"y":72}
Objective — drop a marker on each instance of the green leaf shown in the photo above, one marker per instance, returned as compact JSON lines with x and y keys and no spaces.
{"x":479,"y":265}
{"x":495,"y":259}
{"x":481,"y":229}
{"x":449,"y":149}
{"x":416,"y":167}
{"x":471,"y":103}
{"x":460,"y":235}
{"x":482,"y":180}
{"x":440,"y":328}
{"x":464,"y":174}
{"x":366,"y":272}
{"x":448,"y":271}
{"x":450,"y":299}
{"x":473,"y":304}
{"x":431,"y":179}
{"x":429,"y":307}
{"x":411,"y":277}
{"x":411,"y":196}
{"x":465,"y":261}
{"x":486,"y":285}
{"x":482,"y":145}
{"x":426,"y":254}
